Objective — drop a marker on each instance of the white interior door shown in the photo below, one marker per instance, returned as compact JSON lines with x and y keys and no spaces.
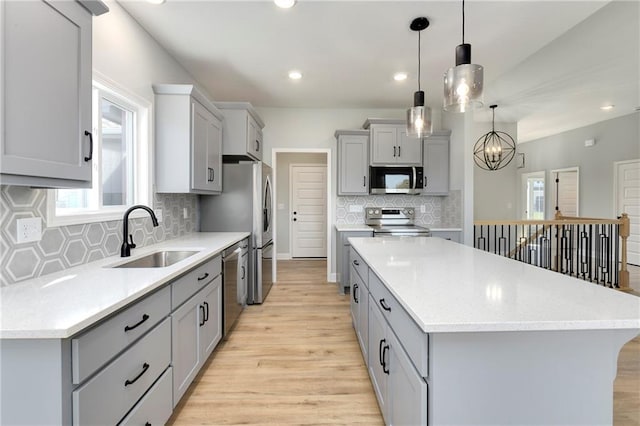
{"x":566,"y":191}
{"x":533,"y":196}
{"x":627,"y":179}
{"x":308,"y":210}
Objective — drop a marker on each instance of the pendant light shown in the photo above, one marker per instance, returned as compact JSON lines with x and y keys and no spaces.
{"x":419,"y":116}
{"x":463,"y":83}
{"x":494,"y":150}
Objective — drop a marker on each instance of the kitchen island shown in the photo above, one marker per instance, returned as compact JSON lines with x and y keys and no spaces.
{"x":453,"y":335}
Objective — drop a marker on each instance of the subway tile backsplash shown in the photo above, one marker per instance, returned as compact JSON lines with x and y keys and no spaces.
{"x":440,"y":212}
{"x":66,"y":246}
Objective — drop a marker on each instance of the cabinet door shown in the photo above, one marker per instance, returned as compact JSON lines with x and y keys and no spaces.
{"x":46,"y":86}
{"x":214,"y":154}
{"x":185,"y":347}
{"x":363,"y":322}
{"x":254,"y":138}
{"x":383,"y":145}
{"x":356,"y":293}
{"x":407,"y":403}
{"x":211,"y":325}
{"x":436,"y":166}
{"x":378,"y":356}
{"x":244,"y":279}
{"x":409,"y":149}
{"x":200,"y":170}
{"x":353,"y":167}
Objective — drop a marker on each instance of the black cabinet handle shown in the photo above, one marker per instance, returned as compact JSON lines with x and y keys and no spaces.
{"x":244,"y":273}
{"x":145,"y":367}
{"x":381,"y":353}
{"x":364,"y":181}
{"x":355,"y":262}
{"x":355,"y":293}
{"x":399,"y":155}
{"x":147,"y":424}
{"x":206,"y":274}
{"x":384,"y":305}
{"x":385,"y":369}
{"x":257,"y":145}
{"x":202,"y":316}
{"x":394,"y":151}
{"x":131,"y":327}
{"x":206,"y":312}
{"x":88,"y":133}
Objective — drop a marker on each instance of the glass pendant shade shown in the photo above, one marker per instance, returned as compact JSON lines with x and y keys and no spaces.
{"x":463,"y":88}
{"x":419,"y":122}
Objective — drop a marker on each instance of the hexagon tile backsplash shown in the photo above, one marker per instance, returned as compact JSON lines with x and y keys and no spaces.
{"x":66,"y":246}
{"x":439,"y":212}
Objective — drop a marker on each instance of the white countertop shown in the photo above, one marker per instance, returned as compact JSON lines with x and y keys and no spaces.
{"x":353,"y":227}
{"x":446,"y":229}
{"x":61,"y":304}
{"x":450,"y":287}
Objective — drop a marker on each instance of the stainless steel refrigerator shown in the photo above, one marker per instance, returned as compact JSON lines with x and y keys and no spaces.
{"x":246,"y":204}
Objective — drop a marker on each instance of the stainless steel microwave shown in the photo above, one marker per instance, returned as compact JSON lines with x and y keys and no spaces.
{"x":396,"y":180}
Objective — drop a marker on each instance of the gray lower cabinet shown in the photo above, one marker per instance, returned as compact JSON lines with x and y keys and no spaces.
{"x":360,"y":311}
{"x":342,"y":256}
{"x":46,"y":120}
{"x":155,"y":407}
{"x":196,"y":330}
{"x":188,"y":141}
{"x":455,"y":236}
{"x":353,"y":162}
{"x":436,"y":163}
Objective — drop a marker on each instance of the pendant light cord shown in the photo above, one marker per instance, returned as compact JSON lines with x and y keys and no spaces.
{"x":419,"y":60}
{"x":462,"y":21}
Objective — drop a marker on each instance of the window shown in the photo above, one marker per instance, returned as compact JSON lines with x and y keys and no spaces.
{"x":120,"y":164}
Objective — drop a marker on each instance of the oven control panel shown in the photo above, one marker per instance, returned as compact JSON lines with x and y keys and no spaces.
{"x":402,"y":213}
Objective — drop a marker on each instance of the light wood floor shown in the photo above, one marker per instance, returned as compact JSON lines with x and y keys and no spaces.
{"x":295,"y":361}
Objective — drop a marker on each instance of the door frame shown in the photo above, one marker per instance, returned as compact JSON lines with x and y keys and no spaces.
{"x":555,"y":189}
{"x":330,"y":189}
{"x":291,"y":198}
{"x":524,"y":177}
{"x":616,"y":166}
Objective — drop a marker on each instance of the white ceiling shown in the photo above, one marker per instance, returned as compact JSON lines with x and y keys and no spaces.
{"x":549,"y":65}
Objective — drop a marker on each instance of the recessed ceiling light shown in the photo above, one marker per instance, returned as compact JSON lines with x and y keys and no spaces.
{"x":400,"y":76}
{"x":295,"y":75}
{"x":156,"y":1}
{"x":607,"y":107}
{"x":285,"y":4}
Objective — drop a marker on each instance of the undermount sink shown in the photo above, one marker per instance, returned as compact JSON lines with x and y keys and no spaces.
{"x":158,"y":259}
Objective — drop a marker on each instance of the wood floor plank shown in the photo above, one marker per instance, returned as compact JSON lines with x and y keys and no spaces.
{"x":295,"y":361}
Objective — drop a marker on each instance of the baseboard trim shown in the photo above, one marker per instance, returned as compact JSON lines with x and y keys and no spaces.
{"x":332,"y":278}
{"x":283,"y":256}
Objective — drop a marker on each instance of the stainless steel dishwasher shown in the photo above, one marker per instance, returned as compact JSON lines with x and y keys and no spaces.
{"x":233,"y":305}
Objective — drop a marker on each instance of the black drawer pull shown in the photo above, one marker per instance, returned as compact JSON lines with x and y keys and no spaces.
{"x":355,"y":293}
{"x":244,"y":273}
{"x":355,"y":262}
{"x":147,"y":424}
{"x":206,"y":312}
{"x":381,"y":352}
{"x":385,"y":369}
{"x":206,"y":274}
{"x":257,"y":145}
{"x":384,"y":305}
{"x":88,"y":133}
{"x":145,"y":367}
{"x":202,"y":316}
{"x":131,"y":327}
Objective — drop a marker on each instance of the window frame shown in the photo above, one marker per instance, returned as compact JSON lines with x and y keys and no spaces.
{"x":143,"y":155}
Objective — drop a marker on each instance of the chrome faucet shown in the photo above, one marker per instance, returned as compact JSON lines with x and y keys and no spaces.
{"x":125,"y":249}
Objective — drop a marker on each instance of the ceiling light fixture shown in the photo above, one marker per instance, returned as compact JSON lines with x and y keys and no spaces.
{"x":463,"y":83}
{"x":156,"y":1}
{"x":494,"y":150}
{"x":285,"y":4}
{"x":295,"y":75}
{"x":400,"y":76}
{"x":419,"y":116}
{"x":607,"y":107}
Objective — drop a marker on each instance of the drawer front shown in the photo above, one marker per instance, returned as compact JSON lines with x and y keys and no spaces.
{"x":413,"y":340}
{"x":97,"y":346}
{"x":190,"y":283}
{"x":108,"y":396}
{"x":155,"y":407}
{"x":359,"y":266}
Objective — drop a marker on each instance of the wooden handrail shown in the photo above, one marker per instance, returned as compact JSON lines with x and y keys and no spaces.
{"x":549,"y":222}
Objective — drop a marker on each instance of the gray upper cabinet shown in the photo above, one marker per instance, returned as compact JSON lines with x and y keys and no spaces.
{"x":188,"y":141}
{"x":390,"y":144}
{"x":436,"y":163}
{"x":353,"y":162}
{"x":45,"y":64}
{"x":242,"y":131}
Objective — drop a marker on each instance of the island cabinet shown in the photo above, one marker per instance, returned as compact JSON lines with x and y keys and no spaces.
{"x":242,"y":136}
{"x":188,"y":141}
{"x":436,"y":163}
{"x":45,"y":63}
{"x":353,"y":162}
{"x":452,"y":234}
{"x":390,"y":144}
{"x":359,"y":279}
{"x":344,"y":232}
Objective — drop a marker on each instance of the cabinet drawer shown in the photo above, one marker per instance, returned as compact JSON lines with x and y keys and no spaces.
{"x":359,"y":266}
{"x":97,"y":346}
{"x":108,"y":396}
{"x":412,"y":339}
{"x":447,"y":235}
{"x":155,"y":407}
{"x":190,"y":283}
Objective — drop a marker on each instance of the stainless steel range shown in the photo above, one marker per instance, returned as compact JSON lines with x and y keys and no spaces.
{"x":394,"y":222}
